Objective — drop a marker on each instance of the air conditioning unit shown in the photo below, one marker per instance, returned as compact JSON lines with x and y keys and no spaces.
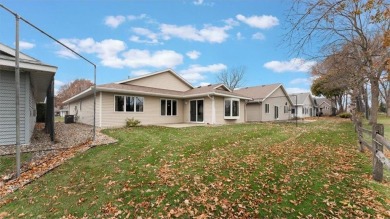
{"x":69,"y":119}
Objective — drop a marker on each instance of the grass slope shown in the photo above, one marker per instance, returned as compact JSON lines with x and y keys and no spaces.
{"x":248,"y":170}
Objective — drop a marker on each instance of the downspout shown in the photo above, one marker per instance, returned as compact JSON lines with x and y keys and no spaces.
{"x":212,"y":109}
{"x":100,"y":109}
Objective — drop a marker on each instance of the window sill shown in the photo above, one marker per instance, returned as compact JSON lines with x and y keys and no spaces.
{"x":231,"y":117}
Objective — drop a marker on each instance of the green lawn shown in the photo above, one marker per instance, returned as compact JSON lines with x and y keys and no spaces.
{"x":247,"y":171}
{"x":8,"y":162}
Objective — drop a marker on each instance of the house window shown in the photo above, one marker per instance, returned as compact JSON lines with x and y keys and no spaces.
{"x":292,"y":111}
{"x":303,"y":110}
{"x":129,"y":104}
{"x":168,"y":107}
{"x":119,"y":103}
{"x":232,"y":108}
{"x":266,"y":108}
{"x":139,"y":104}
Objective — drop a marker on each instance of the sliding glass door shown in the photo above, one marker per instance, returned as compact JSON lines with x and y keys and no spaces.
{"x":196,"y":110}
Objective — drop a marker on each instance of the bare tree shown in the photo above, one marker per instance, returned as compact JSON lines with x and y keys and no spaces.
{"x":335,"y":23}
{"x":70,"y":89}
{"x":233,"y":77}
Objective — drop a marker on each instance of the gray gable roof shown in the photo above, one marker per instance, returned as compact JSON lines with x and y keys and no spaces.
{"x":299,"y":98}
{"x":262,"y":92}
{"x":142,"y":90}
{"x":40,"y":74}
{"x":258,"y":92}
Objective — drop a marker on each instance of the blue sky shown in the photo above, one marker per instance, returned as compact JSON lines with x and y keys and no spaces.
{"x":128,"y":38}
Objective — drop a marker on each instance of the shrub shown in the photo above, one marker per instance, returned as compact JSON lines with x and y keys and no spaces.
{"x":345,"y":115}
{"x":132,"y":122}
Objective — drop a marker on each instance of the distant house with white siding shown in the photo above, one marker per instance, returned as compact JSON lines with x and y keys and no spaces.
{"x":303,"y":105}
{"x":36,"y":81}
{"x":324,"y":106}
{"x":269,"y":103}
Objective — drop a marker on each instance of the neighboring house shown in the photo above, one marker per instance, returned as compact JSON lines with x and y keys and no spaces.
{"x":158,"y":98}
{"x":303,"y":105}
{"x":64,"y":111}
{"x":324,"y":106}
{"x":270,"y":103}
{"x":36,"y":83}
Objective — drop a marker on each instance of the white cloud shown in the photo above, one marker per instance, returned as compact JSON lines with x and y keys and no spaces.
{"x":292,"y":90}
{"x":140,"y":72}
{"x":202,"y":3}
{"x":231,"y":22}
{"x":152,"y":38}
{"x":197,"y":73}
{"x":262,"y":21}
{"x":198,"y":2}
{"x":58,"y":83}
{"x":114,"y":21}
{"x":258,"y":36}
{"x":300,"y":81}
{"x":23,"y":45}
{"x":136,"y":58}
{"x":193,"y":54}
{"x":112,"y":53}
{"x":204,"y":84}
{"x":209,"y":33}
{"x":239,"y":36}
{"x":294,"y":65}
{"x":305,"y":81}
{"x":136,"y":17}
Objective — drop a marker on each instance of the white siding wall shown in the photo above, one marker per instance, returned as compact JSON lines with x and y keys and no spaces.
{"x":7,"y":108}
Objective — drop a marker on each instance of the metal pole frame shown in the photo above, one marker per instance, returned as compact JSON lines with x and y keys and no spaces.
{"x":17,"y":96}
{"x":17,"y":81}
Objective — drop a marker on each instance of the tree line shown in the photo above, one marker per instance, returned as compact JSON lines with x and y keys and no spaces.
{"x":351,"y":38}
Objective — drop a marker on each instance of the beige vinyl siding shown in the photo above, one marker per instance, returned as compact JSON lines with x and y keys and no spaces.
{"x":279,"y":99}
{"x":151,"y":112}
{"x":253,"y":112}
{"x":164,"y":80}
{"x":220,"y":112}
{"x":86,"y":111}
{"x":326,"y":109}
{"x":307,"y":104}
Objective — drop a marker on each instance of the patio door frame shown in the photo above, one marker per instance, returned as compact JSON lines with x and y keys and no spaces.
{"x":197,"y":107}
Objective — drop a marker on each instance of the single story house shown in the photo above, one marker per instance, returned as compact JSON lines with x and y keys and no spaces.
{"x":158,"y":98}
{"x":324,"y":106}
{"x":64,"y":111}
{"x":303,"y":105}
{"x":269,"y":103}
{"x":36,"y":85}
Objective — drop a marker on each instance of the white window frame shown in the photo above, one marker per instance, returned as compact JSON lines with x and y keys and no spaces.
{"x":231,"y":108}
{"x":166,"y":106}
{"x":267,"y":107}
{"x":124,"y":104}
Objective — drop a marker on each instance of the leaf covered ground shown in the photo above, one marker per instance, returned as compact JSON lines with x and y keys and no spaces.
{"x":244,"y":171}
